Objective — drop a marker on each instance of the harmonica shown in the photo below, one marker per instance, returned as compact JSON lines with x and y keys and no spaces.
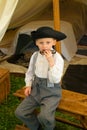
{"x":52,"y":51}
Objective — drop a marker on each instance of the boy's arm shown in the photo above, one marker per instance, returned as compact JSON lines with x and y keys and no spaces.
{"x":30,"y":72}
{"x":56,"y":71}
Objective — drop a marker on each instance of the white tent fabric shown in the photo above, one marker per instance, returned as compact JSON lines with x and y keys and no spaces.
{"x":28,"y":10}
{"x":68,"y":46}
{"x":25,"y":11}
{"x":7,"y":8}
{"x":16,"y":13}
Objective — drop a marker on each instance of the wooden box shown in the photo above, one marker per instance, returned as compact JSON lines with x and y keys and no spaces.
{"x":4,"y":83}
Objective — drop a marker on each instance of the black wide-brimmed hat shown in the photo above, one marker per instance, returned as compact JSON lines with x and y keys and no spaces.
{"x":47,"y":32}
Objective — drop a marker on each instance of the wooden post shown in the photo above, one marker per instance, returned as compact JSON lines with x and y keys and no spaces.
{"x":56,"y":15}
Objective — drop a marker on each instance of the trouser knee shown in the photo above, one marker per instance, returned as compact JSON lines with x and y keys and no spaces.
{"x":46,"y":120}
{"x":18,"y":113}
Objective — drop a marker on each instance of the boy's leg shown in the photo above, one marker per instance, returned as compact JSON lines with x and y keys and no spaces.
{"x":47,"y":114}
{"x":25,"y":112}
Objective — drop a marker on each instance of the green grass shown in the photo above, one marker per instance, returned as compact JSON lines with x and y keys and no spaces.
{"x":8,"y":120}
{"x":8,"y":106}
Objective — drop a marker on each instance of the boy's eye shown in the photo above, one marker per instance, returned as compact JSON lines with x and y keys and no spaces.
{"x":47,"y":42}
{"x":43,"y":42}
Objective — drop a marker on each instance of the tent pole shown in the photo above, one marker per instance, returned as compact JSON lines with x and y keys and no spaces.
{"x":56,"y":15}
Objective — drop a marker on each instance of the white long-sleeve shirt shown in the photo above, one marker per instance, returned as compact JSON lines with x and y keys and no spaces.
{"x":43,"y":70}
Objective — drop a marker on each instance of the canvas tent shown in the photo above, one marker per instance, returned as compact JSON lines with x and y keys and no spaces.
{"x":21,"y":16}
{"x":18,"y":12}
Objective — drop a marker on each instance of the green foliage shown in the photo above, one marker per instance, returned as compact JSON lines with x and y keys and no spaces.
{"x":8,"y":120}
{"x":8,"y":106}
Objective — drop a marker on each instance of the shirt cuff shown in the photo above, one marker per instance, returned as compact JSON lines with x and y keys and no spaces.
{"x":29,"y":84}
{"x":52,"y":68}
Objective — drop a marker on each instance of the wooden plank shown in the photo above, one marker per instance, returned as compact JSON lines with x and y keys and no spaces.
{"x":19,"y":93}
{"x":73,"y":102}
{"x":84,"y":121}
{"x":74,"y":96}
{"x":4,"y":83}
{"x":20,"y":127}
{"x":68,"y":122}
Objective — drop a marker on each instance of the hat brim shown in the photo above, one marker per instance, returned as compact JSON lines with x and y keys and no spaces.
{"x":47,"y":32}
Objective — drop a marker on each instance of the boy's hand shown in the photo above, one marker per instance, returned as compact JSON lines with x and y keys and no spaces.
{"x":48,"y":53}
{"x":27,"y":91}
{"x":49,"y":57}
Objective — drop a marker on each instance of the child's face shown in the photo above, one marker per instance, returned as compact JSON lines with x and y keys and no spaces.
{"x":45,"y":43}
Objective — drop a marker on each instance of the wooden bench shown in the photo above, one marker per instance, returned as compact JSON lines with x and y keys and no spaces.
{"x":72,"y":103}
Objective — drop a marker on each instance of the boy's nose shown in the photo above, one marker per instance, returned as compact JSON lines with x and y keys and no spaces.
{"x":44,"y":45}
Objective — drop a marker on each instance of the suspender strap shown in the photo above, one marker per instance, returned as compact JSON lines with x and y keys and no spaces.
{"x":34,"y":61}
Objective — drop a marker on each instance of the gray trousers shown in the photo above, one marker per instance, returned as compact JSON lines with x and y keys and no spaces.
{"x":47,"y":98}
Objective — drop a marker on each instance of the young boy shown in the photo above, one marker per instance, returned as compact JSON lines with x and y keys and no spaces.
{"x":42,"y":81}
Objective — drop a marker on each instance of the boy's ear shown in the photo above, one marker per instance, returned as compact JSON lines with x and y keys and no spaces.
{"x":36,"y":44}
{"x":54,"y":43}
